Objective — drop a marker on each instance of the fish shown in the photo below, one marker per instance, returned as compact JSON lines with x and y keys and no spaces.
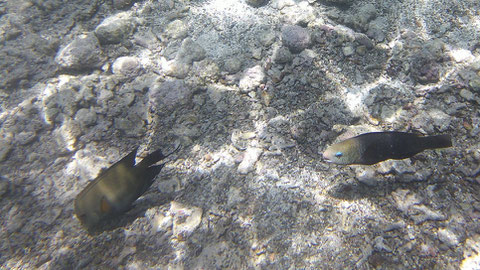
{"x":374,"y":147}
{"x":114,"y":190}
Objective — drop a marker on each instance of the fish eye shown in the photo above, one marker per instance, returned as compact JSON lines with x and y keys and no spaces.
{"x":338,"y":154}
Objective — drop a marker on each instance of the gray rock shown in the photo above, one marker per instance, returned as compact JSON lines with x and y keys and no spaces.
{"x":168,"y":95}
{"x":256,"y":3}
{"x":361,"y":50}
{"x":420,"y":175}
{"x":82,"y":53}
{"x":363,"y":16}
{"x":5,"y":149}
{"x":440,"y":119}
{"x":340,"y":2}
{"x":232,"y":65}
{"x":207,"y":70}
{"x":424,"y":68}
{"x":15,"y":219}
{"x":394,"y":226}
{"x":467,"y":95}
{"x":86,"y":117}
{"x":25,"y":137}
{"x":475,"y":84}
{"x":132,"y":126}
{"x":348,"y":50}
{"x":190,"y":51}
{"x":176,"y":29}
{"x":116,"y":28}
{"x":127,"y":66}
{"x":120,"y":4}
{"x":4,"y":186}
{"x":366,"y":176}
{"x":475,"y":65}
{"x":267,"y":37}
{"x":364,"y":40}
{"x":282,"y":55}
{"x":252,"y":78}
{"x":376,"y":29}
{"x":296,"y":38}
{"x":256,"y":53}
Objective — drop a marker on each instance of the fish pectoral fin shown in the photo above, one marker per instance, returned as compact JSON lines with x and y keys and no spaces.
{"x":105,"y":206}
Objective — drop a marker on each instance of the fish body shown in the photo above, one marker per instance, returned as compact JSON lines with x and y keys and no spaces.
{"x":116,"y":188}
{"x":374,"y":147}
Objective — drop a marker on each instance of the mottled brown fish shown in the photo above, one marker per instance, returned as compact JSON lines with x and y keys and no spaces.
{"x":116,"y":188}
{"x":371,"y":148}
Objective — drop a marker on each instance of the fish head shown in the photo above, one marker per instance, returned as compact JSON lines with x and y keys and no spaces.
{"x":345,"y":152}
{"x":85,"y":215}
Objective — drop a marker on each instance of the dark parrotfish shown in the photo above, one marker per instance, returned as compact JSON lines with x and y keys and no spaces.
{"x":371,"y":148}
{"x":116,"y":188}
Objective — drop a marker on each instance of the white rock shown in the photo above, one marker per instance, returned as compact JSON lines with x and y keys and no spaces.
{"x":404,"y":199}
{"x":461,"y":55}
{"x":448,"y":237}
{"x":185,"y":218}
{"x":380,"y":244}
{"x":162,"y":222}
{"x":252,"y":78}
{"x":250,"y":158}
{"x":127,"y":66}
{"x":425,"y":214}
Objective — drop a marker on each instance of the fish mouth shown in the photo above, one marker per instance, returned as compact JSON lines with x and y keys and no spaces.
{"x":326,"y":159}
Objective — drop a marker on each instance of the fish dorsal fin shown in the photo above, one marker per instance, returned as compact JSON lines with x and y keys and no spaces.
{"x":127,"y":161}
{"x":154,"y":157}
{"x":417,"y":132}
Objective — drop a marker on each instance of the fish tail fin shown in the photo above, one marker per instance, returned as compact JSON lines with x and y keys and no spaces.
{"x":150,"y":175}
{"x":151,"y":159}
{"x":437,"y":141}
{"x":155,"y":157}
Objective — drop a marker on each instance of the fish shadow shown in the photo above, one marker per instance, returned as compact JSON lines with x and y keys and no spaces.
{"x":137,"y":210}
{"x":354,"y":189}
